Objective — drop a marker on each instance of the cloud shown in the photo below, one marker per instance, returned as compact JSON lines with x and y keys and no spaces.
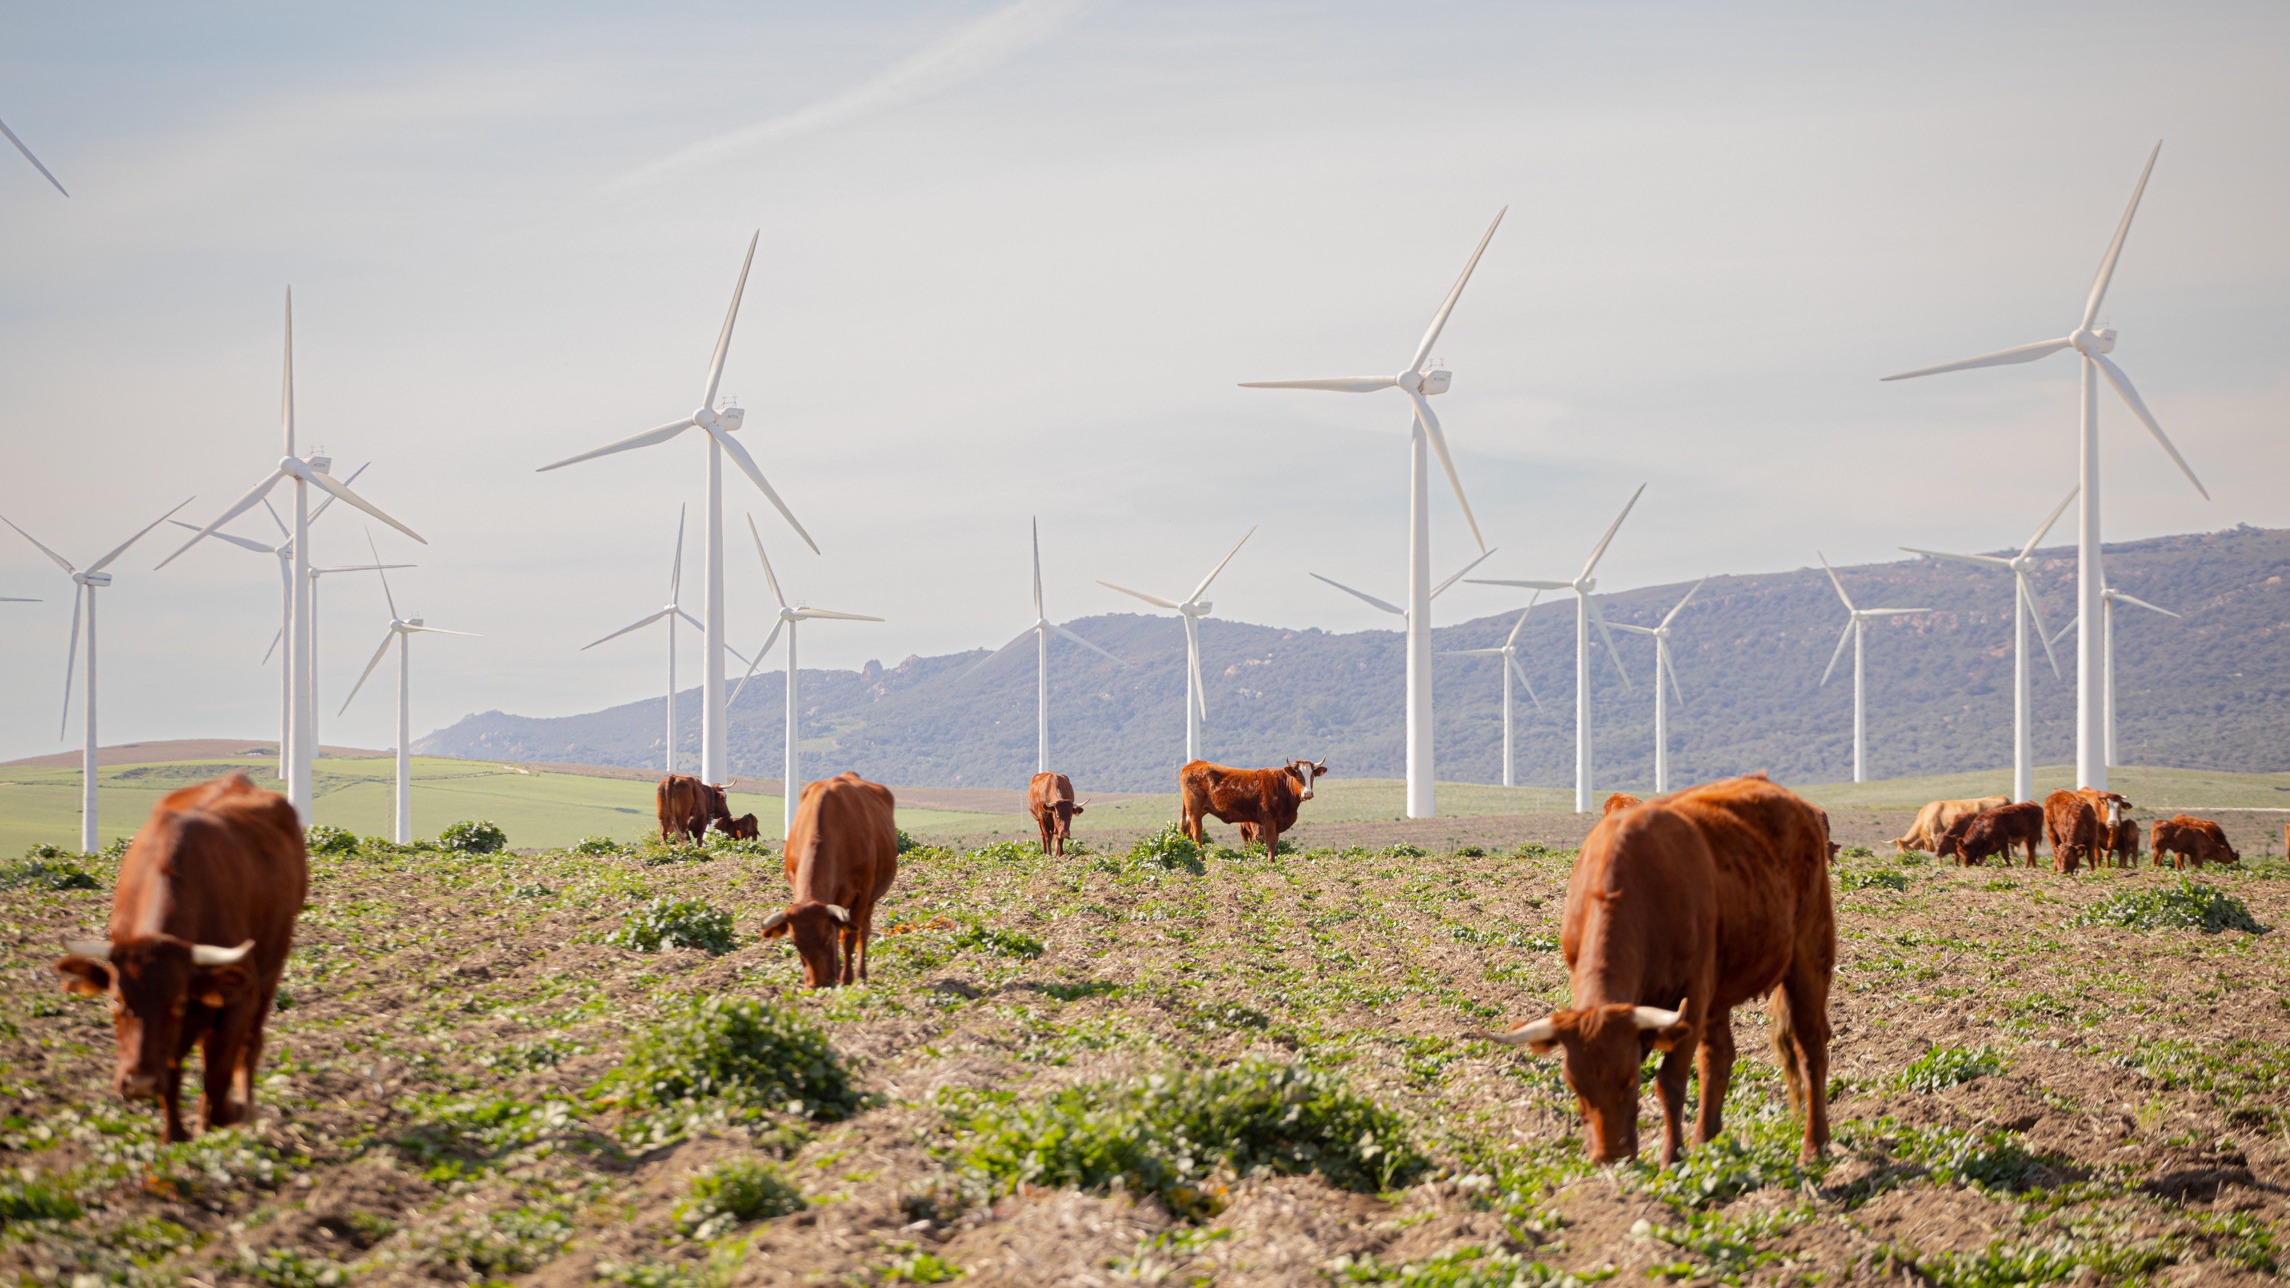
{"x":981,"y":45}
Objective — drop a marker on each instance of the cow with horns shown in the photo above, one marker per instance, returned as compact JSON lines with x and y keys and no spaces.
{"x":687,"y":807}
{"x":1263,"y":802}
{"x":842,"y":855}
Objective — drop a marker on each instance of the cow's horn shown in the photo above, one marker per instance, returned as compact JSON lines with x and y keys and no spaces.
{"x":209,"y":955}
{"x":839,"y":913}
{"x":1654,"y":1017}
{"x":775,"y":920}
{"x":95,"y":950}
{"x":1542,"y":1030}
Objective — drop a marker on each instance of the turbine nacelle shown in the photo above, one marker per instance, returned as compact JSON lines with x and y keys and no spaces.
{"x":2092,"y":343}
{"x":727,"y":419}
{"x":1428,"y":383}
{"x":92,"y":578}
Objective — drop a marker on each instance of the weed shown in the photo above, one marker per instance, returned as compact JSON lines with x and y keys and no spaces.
{"x":1469,"y":1266}
{"x":42,"y":873}
{"x":452,"y":1137}
{"x":1168,"y":848}
{"x":1993,"y":1160}
{"x":732,"y":1194}
{"x":905,"y":842}
{"x":24,"y":1199}
{"x":2248,"y":1077}
{"x":1403,"y":850}
{"x":1758,"y":1150}
{"x":735,"y":1049}
{"x":286,"y":1268}
{"x":1873,"y":879}
{"x":593,"y":846}
{"x":1944,"y":1066}
{"x":473,"y":837}
{"x":2003,"y":1263}
{"x":921,"y":1268}
{"x":540,"y":1053}
{"x":1470,"y":851}
{"x":995,"y":940}
{"x":495,"y":1245}
{"x":1008,"y":851}
{"x":325,"y":838}
{"x":655,"y":854}
{"x":679,"y":923}
{"x":2187,"y":905}
{"x":1856,"y":852}
{"x":1533,"y":850}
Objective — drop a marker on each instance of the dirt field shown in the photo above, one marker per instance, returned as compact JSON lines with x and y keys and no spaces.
{"x":2019,"y":1099}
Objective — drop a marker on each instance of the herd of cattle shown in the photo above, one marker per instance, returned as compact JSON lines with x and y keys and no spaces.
{"x":1679,"y":909}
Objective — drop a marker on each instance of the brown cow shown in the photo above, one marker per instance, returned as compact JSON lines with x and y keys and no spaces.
{"x":1618,"y":801}
{"x":842,"y":855}
{"x":743,"y":828}
{"x":1974,"y":838}
{"x":2073,"y":828}
{"x":2108,"y":807}
{"x":687,"y":807}
{"x":2123,"y":846}
{"x":2191,"y":840}
{"x":1702,"y":900}
{"x":1262,"y":801}
{"x":201,"y":922}
{"x":1934,"y":820}
{"x":1050,"y":797}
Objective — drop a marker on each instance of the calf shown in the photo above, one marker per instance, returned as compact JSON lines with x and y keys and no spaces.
{"x":1262,"y":801}
{"x":1974,"y":838}
{"x":743,"y":828}
{"x":2072,"y":826}
{"x":201,"y":923}
{"x":2191,"y":840}
{"x":2123,"y":846}
{"x":687,"y":807}
{"x":842,"y":855}
{"x":1699,"y":901}
{"x":1618,"y":801}
{"x":1934,"y":820}
{"x":1050,"y":798}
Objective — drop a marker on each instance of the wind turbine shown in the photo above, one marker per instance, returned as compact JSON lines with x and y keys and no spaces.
{"x":1662,"y":667}
{"x":1041,"y":630}
{"x":1585,"y":614}
{"x":1419,"y":380}
{"x":401,"y":632}
{"x":2090,"y":578}
{"x":1509,"y":652}
{"x":85,"y":582}
{"x":669,"y":614}
{"x":720,"y":423}
{"x":2023,"y":607}
{"x":1401,"y":613}
{"x":307,"y":472}
{"x":1853,"y":626}
{"x":791,"y":783}
{"x":312,"y":643}
{"x":2110,"y":596}
{"x":33,"y":159}
{"x":1192,"y":609}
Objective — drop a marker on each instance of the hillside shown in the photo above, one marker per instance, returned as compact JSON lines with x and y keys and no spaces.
{"x":2209,"y":692}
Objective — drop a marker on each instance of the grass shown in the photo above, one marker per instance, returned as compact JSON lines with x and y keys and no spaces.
{"x":2189,"y":905}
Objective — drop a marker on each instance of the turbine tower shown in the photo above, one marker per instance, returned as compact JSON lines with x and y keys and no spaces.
{"x":1192,"y":609}
{"x":2023,"y":607}
{"x":1509,"y":652}
{"x":317,"y":738}
{"x":1394,"y":609}
{"x":2092,"y":346}
{"x":790,"y":617}
{"x":29,"y":157}
{"x":1041,"y":630}
{"x":720,"y":423}
{"x":1585,"y":613}
{"x":1858,"y":618}
{"x":1662,"y":667}
{"x":1419,"y":380}
{"x":401,"y":632}
{"x":669,"y":614}
{"x":307,"y":472}
{"x":2110,"y":596}
{"x":85,"y":582}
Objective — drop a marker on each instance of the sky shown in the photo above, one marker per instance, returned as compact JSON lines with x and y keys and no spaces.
{"x":1015,"y":259}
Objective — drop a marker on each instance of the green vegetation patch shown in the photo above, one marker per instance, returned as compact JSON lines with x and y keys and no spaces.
{"x":473,"y":836}
{"x":677,"y":923}
{"x":2189,"y":905}
{"x":995,"y":940}
{"x":1168,"y":848}
{"x":37,"y":872}
{"x":732,"y":1194}
{"x":325,"y":838}
{"x":1871,"y":879}
{"x":1469,"y":1266}
{"x":1944,"y":1066}
{"x":1007,"y":851}
{"x":735,"y":1049}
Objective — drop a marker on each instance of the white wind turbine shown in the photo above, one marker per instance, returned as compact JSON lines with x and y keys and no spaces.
{"x":1585,"y":614}
{"x":1662,"y":667}
{"x":670,"y":615}
{"x":720,"y":423}
{"x":1401,"y":613}
{"x":306,"y":472}
{"x":2110,"y":596}
{"x":1509,"y":652}
{"x":85,"y":582}
{"x":317,"y":739}
{"x":29,"y":157}
{"x":1192,"y":609}
{"x":1041,"y":630}
{"x":790,"y":617}
{"x":401,"y":632}
{"x":2090,"y":578}
{"x":1853,"y":626}
{"x":1419,"y":380}
{"x":2023,"y":607}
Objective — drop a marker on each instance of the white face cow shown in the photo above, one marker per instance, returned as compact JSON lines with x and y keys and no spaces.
{"x":1305,"y":771}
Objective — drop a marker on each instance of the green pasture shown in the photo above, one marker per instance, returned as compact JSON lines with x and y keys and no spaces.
{"x":537,"y":809}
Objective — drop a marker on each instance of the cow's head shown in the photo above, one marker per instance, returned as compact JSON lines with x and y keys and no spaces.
{"x":153,"y":984}
{"x":1304,"y":771}
{"x":817,"y":929}
{"x":719,"y":804}
{"x":743,"y":828}
{"x":1951,"y":844}
{"x":1063,"y":811}
{"x":1600,"y":1050}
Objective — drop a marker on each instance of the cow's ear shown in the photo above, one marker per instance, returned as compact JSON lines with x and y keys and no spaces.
{"x":84,"y":975}
{"x":1666,"y":1038}
{"x":219,"y":986}
{"x":1078,"y":809}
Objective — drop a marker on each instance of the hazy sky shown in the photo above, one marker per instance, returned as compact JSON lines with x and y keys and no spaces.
{"x":1014,"y":260}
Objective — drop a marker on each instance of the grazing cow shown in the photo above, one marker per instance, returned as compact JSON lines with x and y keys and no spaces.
{"x":842,"y":855}
{"x":1618,"y":801}
{"x":1974,"y":838}
{"x":2073,"y":828}
{"x":743,"y":828}
{"x":2191,"y":840}
{"x":1934,"y":820}
{"x":687,"y":807}
{"x":1050,"y":797}
{"x":1699,"y":901}
{"x":1262,"y":801}
{"x":201,"y":922}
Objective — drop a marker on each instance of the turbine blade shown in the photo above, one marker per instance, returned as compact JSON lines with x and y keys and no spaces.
{"x":1599,"y":618}
{"x":274,"y":516}
{"x":724,"y":338}
{"x":120,"y":549}
{"x":2115,"y":248}
{"x":1526,"y":683}
{"x":1203,"y":587}
{"x":2000,"y":358}
{"x":1439,"y":319}
{"x":1457,"y":575}
{"x":338,"y":488}
{"x":2133,"y":599}
{"x":2028,"y":593}
{"x":988,"y":660}
{"x":1834,"y":582}
{"x":1337,"y":384}
{"x":1086,"y":644}
{"x":61,"y":562}
{"x":1521,"y":624}
{"x":2045,"y":530}
{"x":1431,"y":430}
{"x":2138,"y":407}
{"x":275,"y":638}
{"x":676,"y":572}
{"x":1038,"y":613}
{"x":325,"y":503}
{"x":1892,"y":612}
{"x":1600,"y":552}
{"x":387,"y":597}
{"x":736,"y":653}
{"x":657,"y":434}
{"x":770,"y":578}
{"x":247,"y":543}
{"x":379,"y":653}
{"x":286,"y":383}
{"x":807,"y":612}
{"x":1154,"y":600}
{"x":632,"y":626}
{"x":756,"y":661}
{"x":29,"y":157}
{"x":697,"y":624}
{"x":1523,"y":585}
{"x":1982,"y":561}
{"x":1672,"y":672}
{"x":1696,"y":589}
{"x":440,"y":630}
{"x":1842,"y":640}
{"x":1394,"y":609}
{"x":1471,"y":652}
{"x":1635,"y":630}
{"x":71,"y":659}
{"x":747,"y":466}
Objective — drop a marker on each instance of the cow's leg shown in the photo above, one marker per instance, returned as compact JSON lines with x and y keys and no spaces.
{"x":847,"y":946}
{"x":1714,"y":1062}
{"x":1042,"y":826}
{"x":1670,"y":1089}
{"x":171,"y":1103}
{"x":863,"y":924}
{"x":1800,"y":1009}
{"x":1270,"y":835}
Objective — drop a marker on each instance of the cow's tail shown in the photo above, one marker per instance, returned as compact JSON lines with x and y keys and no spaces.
{"x":1785,"y":1047}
